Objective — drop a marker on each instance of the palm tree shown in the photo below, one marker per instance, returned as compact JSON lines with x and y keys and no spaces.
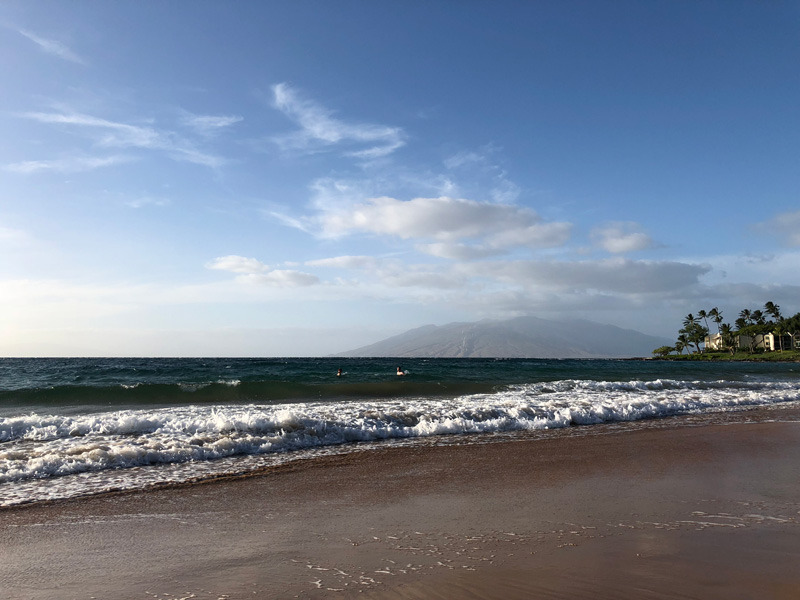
{"x":683,"y":342}
{"x":726,"y":332}
{"x":694,"y":332}
{"x":775,"y":312}
{"x":703,"y":315}
{"x":748,"y":324}
{"x":716,"y":315}
{"x":780,"y":330}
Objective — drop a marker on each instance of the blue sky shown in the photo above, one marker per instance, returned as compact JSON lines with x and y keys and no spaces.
{"x":301,"y":178}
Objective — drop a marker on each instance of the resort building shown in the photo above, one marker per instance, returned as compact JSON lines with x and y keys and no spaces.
{"x":787,"y":341}
{"x":762,"y":341}
{"x":713,"y":342}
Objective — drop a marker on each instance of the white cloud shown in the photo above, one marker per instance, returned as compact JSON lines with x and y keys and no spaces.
{"x":448,"y":221}
{"x":318,"y":129}
{"x":621,"y":237}
{"x":537,"y":235}
{"x":238,"y":264}
{"x":252,"y":270}
{"x":52,"y":47}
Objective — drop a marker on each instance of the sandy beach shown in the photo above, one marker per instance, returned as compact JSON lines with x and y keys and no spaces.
{"x":672,"y":511}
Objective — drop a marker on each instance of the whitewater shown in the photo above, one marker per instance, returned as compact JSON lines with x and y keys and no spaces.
{"x":74,"y":428}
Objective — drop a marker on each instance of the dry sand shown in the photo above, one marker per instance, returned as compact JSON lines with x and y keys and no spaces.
{"x":662,"y":512}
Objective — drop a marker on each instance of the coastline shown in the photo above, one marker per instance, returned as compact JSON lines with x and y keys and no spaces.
{"x":787,"y":356}
{"x":701,"y":510}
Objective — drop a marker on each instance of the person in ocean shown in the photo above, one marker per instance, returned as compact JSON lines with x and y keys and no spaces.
{"x":339,"y":373}
{"x":400,"y":371}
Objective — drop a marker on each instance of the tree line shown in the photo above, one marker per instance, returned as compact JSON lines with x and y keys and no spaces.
{"x":750,"y":324}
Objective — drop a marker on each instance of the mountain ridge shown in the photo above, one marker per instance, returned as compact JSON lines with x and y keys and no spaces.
{"x":519,"y":337}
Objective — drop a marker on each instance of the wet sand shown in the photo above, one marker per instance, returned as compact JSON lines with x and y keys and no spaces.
{"x":707,"y":511}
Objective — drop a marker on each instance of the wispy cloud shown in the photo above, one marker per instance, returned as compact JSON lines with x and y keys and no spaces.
{"x":124,"y":135}
{"x":73,"y":164}
{"x":319,"y":129}
{"x":142,"y":201}
{"x":52,"y":47}
{"x":210,"y":124}
{"x":482,"y":165}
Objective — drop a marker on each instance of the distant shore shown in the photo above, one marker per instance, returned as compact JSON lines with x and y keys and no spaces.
{"x":656,"y":509}
{"x":785,"y":356}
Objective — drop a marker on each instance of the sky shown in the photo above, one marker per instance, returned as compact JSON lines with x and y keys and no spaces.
{"x":197,"y":178}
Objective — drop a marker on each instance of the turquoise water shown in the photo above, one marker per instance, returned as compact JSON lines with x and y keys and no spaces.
{"x":76,"y":426}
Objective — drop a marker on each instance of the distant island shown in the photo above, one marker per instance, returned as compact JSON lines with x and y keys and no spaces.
{"x":521,"y":337}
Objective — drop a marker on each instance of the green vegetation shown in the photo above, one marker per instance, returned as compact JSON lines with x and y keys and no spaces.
{"x":755,"y":335}
{"x":785,"y":356}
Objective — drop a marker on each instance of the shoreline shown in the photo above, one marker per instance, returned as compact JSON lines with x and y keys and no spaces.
{"x":748,"y":414}
{"x":701,"y":510}
{"x":763,"y":357}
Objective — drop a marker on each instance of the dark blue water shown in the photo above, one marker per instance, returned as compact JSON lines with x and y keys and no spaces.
{"x":126,"y":382}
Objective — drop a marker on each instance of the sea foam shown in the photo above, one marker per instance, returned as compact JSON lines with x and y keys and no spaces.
{"x":37,"y":447}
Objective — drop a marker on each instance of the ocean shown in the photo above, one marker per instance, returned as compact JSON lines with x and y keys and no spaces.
{"x":77,"y":426}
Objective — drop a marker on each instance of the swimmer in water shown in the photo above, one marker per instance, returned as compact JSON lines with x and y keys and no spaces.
{"x":400,"y":371}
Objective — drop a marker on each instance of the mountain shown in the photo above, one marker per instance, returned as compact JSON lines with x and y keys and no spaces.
{"x":522,"y":337}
